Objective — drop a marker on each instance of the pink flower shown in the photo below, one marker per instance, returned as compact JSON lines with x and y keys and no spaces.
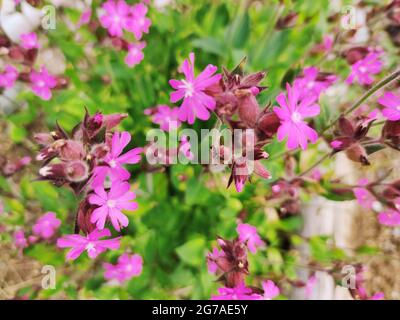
{"x":138,"y":23}
{"x":363,"y":196}
{"x":90,"y":243}
{"x":240,"y":292}
{"x":196,"y":102}
{"x":8,"y":77}
{"x":46,"y":225}
{"x":116,"y":17}
{"x":292,"y":112}
{"x":128,"y":266}
{"x":363,"y":69}
{"x":311,"y":84}
{"x":310,"y":286}
{"x":42,"y":82}
{"x":270,"y":290}
{"x":211,"y":258}
{"x":84,"y":18}
{"x":115,"y":160}
{"x":135,"y":54}
{"x":389,"y":217}
{"x":391,"y":103}
{"x":167,"y":118}
{"x":29,"y":41}
{"x":110,"y":205}
{"x":248,"y":234}
{"x":20,"y":240}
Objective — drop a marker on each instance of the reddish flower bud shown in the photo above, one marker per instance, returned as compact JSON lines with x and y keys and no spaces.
{"x":267,"y":125}
{"x":77,"y":171}
{"x":248,"y":107}
{"x":357,"y":153}
{"x":83,"y":217}
{"x":355,"y":54}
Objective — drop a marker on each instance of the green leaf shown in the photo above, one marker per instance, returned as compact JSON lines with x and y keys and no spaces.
{"x":193,"y":251}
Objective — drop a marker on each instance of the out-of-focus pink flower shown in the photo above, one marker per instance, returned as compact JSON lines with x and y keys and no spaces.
{"x":325,"y":46}
{"x":166,"y":117}
{"x":115,"y":160}
{"x":364,"y":69}
{"x":389,"y":217}
{"x":19,"y":239}
{"x":42,"y":83}
{"x":29,"y":41}
{"x":391,"y":102}
{"x":46,"y":225}
{"x":248,"y":234}
{"x":8,"y":77}
{"x":91,"y":243}
{"x":128,"y":266}
{"x":240,"y":292}
{"x":110,"y":205}
{"x":138,"y":23}
{"x":310,"y":284}
{"x":316,"y":175}
{"x":196,"y":103}
{"x":292,"y":113}
{"x":270,"y":290}
{"x":116,"y":17}
{"x":377,"y":296}
{"x":135,"y":54}
{"x":211,"y":258}
{"x":84,"y":18}
{"x":311,"y":84}
{"x":363,"y":196}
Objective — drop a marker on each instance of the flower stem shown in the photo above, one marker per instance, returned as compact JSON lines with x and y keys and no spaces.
{"x":316,"y":164}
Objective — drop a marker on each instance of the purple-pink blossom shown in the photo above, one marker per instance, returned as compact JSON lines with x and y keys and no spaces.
{"x":42,"y":83}
{"x":135,"y":53}
{"x":166,"y":117}
{"x":46,"y":225}
{"x":29,"y":41}
{"x":116,"y":17}
{"x":114,"y":160}
{"x":311,"y":84}
{"x":19,"y":239}
{"x":196,"y":103}
{"x":270,"y":290}
{"x":390,"y":217}
{"x":240,"y":292}
{"x":391,"y":102}
{"x":84,"y":18}
{"x":211,"y":258}
{"x":128,"y":266}
{"x":292,"y":113}
{"x":90,"y":243}
{"x":248,"y":234}
{"x":138,"y":23}
{"x":8,"y":77}
{"x":363,"y":70}
{"x":363,"y":196}
{"x":110,"y":205}
{"x":310,"y":284}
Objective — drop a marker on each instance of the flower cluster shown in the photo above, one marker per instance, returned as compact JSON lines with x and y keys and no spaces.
{"x":117,"y":16}
{"x":231,"y":264}
{"x":24,"y":54}
{"x":91,"y":161}
{"x":45,"y":228}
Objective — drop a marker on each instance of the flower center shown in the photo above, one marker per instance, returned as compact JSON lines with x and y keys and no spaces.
{"x":296,"y":117}
{"x":90,"y":247}
{"x":188,"y":86}
{"x":41,"y":84}
{"x":112,"y":163}
{"x":111,"y":203}
{"x":363,"y":69}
